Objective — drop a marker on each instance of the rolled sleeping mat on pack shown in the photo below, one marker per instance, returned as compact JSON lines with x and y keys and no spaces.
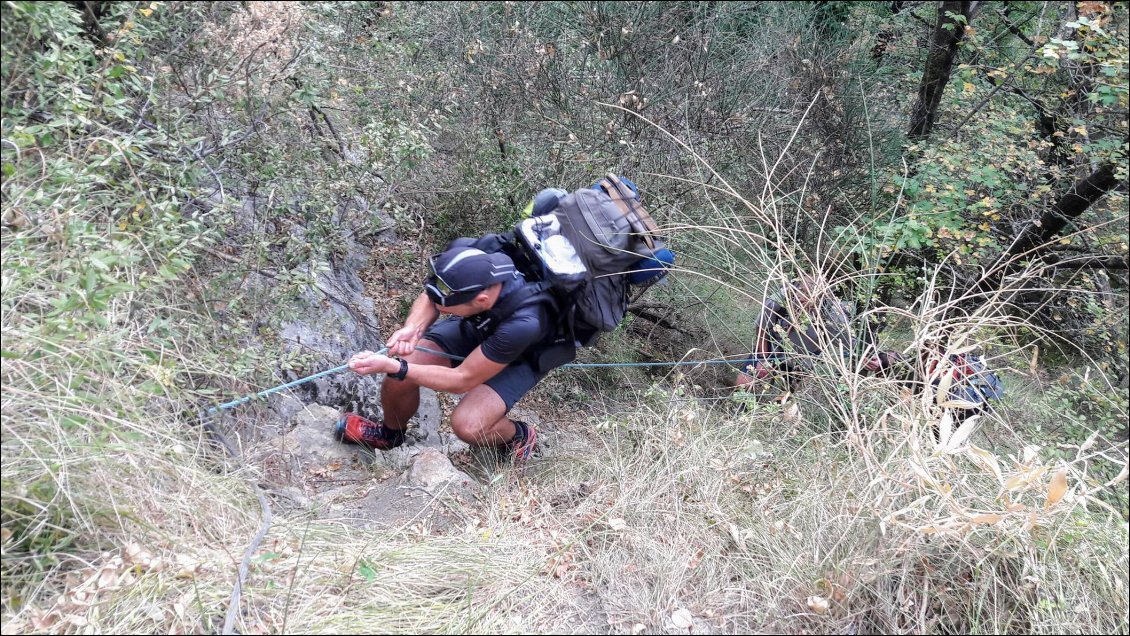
{"x":649,"y":269}
{"x":546,"y":201}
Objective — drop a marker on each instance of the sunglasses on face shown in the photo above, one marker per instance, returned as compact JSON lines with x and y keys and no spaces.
{"x":443,"y":294}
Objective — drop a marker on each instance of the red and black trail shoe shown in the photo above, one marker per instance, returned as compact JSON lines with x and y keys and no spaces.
{"x":521,"y":449}
{"x":354,"y":429}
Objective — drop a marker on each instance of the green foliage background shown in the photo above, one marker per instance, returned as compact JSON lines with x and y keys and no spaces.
{"x":151,"y":165}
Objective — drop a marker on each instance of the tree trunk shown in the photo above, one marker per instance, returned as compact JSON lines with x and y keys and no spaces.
{"x":1085,"y":192}
{"x":948,"y":33}
{"x":91,"y":12}
{"x":1034,"y":238}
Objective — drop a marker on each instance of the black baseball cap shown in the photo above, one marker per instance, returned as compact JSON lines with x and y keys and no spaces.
{"x":460,"y":273}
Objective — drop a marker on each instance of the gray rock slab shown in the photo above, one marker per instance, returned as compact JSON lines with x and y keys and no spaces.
{"x":432,"y":469}
{"x":314,"y":456}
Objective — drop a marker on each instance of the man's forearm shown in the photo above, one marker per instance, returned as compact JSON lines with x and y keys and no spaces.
{"x":422,"y":314}
{"x":439,"y":378}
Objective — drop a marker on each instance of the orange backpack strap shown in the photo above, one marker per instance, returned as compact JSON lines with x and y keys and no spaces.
{"x":642,"y":223}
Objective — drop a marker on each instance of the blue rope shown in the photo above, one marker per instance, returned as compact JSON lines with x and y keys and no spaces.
{"x":572,"y":365}
{"x":243,"y":400}
{"x":592,"y":365}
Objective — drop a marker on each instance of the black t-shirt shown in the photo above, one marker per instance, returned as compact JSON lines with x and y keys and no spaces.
{"x":528,"y":326}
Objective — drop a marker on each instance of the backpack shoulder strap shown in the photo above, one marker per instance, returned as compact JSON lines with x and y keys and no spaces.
{"x":491,"y":243}
{"x":642,"y":223}
{"x":531,"y":293}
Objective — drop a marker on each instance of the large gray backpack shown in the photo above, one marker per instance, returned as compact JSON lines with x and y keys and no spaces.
{"x":589,"y":246}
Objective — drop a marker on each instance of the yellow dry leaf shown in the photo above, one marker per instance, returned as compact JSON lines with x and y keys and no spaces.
{"x":957,"y":403}
{"x":969,"y":88}
{"x":1016,"y":481}
{"x":925,"y":476}
{"x":987,"y":460}
{"x":682,"y":618}
{"x":944,"y":385}
{"x":818,"y":604}
{"x":962,"y":433}
{"x":1056,"y":489}
{"x":945,"y":428}
{"x":145,"y":12}
{"x":987,"y":519}
{"x":1089,"y":442}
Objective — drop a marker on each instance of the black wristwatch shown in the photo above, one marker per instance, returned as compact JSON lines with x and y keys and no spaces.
{"x":399,"y":375}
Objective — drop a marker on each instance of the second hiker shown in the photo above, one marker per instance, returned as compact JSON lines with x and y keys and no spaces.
{"x":803,"y":321}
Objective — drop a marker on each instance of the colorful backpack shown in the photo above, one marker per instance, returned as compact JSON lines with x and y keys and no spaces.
{"x":971,"y":383}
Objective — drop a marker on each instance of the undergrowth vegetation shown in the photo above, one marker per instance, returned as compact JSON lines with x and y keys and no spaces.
{"x":176,"y":174}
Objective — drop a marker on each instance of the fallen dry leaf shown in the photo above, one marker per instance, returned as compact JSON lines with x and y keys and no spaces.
{"x":818,"y":604}
{"x":682,"y":618}
{"x":695,"y":559}
{"x":1056,"y":489}
{"x":186,"y":566}
{"x":987,"y":519}
{"x":791,"y":413}
{"x":42,"y":621}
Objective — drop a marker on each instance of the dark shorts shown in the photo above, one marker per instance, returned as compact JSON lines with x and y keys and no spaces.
{"x":510,"y":384}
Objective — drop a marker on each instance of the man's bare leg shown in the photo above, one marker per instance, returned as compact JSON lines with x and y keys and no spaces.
{"x":400,"y":399}
{"x":480,"y":419}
